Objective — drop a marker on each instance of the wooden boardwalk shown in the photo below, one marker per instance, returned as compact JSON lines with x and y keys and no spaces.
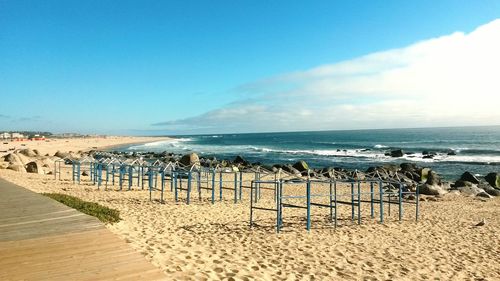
{"x":41,"y":239}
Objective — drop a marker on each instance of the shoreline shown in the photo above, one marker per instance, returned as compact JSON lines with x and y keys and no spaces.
{"x":205,"y":241}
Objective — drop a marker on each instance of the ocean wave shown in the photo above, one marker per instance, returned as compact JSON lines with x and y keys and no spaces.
{"x":380,"y":146}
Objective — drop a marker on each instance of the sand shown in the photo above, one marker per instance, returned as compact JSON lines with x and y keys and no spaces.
{"x":202,"y":241}
{"x":52,"y":145}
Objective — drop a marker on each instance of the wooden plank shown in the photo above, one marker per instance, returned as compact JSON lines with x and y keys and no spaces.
{"x":41,"y":239}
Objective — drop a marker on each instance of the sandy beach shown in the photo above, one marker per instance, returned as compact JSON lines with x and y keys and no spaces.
{"x":52,"y":145}
{"x":202,"y":241}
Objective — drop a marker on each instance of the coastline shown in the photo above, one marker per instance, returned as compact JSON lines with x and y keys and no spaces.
{"x":202,"y":241}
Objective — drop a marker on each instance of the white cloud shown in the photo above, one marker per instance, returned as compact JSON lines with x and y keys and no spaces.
{"x":446,"y":81}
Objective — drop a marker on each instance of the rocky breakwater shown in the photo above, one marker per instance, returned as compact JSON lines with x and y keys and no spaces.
{"x":32,"y":161}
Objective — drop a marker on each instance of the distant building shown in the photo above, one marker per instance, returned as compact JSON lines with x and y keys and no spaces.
{"x":17,"y":136}
{"x":5,"y":136}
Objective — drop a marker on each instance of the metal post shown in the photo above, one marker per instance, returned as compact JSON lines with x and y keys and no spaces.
{"x":308,"y":199}
{"x":371,"y":200}
{"x":189,"y":187}
{"x":381,"y":191}
{"x":235,"y":187}
{"x":359,"y":202}
{"x":400,"y":202}
{"x":335,"y":199}
{"x":251,"y":202}
{"x":213,"y":186}
{"x":331,"y":201}
{"x":220,"y":186}
{"x":176,"y":193}
{"x":352,"y":200}
{"x":241,"y":185}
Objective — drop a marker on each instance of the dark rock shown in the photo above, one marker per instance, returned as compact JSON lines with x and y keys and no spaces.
{"x":328,"y":172}
{"x":433,"y":178}
{"x":301,"y":166}
{"x":493,"y":179}
{"x":11,"y":158}
{"x":85,"y":174}
{"x":32,"y":167}
{"x":490,"y":190}
{"x":290,"y":169}
{"x":467,"y":176}
{"x":408,"y":167}
{"x":397,"y":153}
{"x":428,"y":156}
{"x":451,"y":153}
{"x":484,"y":195}
{"x":239,"y":160}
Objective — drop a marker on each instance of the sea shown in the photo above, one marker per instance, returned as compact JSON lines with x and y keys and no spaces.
{"x":455,"y":150}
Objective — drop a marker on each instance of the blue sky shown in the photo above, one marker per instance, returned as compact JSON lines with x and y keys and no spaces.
{"x":168,"y":67}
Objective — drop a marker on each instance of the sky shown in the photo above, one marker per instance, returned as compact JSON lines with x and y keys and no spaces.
{"x":194,"y":67}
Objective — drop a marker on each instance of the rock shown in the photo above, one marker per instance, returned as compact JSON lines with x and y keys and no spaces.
{"x":397,"y":153}
{"x":240,"y":160}
{"x":301,"y":166}
{"x":467,"y":176}
{"x":17,"y":168}
{"x":190,"y":159}
{"x":428,"y":156}
{"x":408,"y":167}
{"x":433,"y":178}
{"x":27,"y":152}
{"x":493,"y":179}
{"x":32,"y":167}
{"x":61,"y":154}
{"x":481,"y":223}
{"x":357,"y":175}
{"x":490,"y":190}
{"x":470,"y":189}
{"x":85,"y":174}
{"x":291,"y":170}
{"x":37,"y":152}
{"x":11,"y":158}
{"x":451,"y":153}
{"x":428,"y":189}
{"x":424,"y":172}
{"x":484,"y":195}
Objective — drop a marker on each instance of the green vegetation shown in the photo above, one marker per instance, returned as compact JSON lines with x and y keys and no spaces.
{"x":104,"y":214}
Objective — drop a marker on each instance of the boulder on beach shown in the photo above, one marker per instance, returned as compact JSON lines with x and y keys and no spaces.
{"x":424,"y":172}
{"x":27,"y":152}
{"x":190,"y":159}
{"x":61,"y":154}
{"x":433,"y":178}
{"x":490,"y":190}
{"x":291,"y":170}
{"x":397,"y":153}
{"x":408,"y":167}
{"x":32,"y":167}
{"x":240,"y":160}
{"x":429,"y":189}
{"x":493,"y":179}
{"x":301,"y":166}
{"x":467,"y":176}
{"x":468,"y":188}
{"x":17,"y":168}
